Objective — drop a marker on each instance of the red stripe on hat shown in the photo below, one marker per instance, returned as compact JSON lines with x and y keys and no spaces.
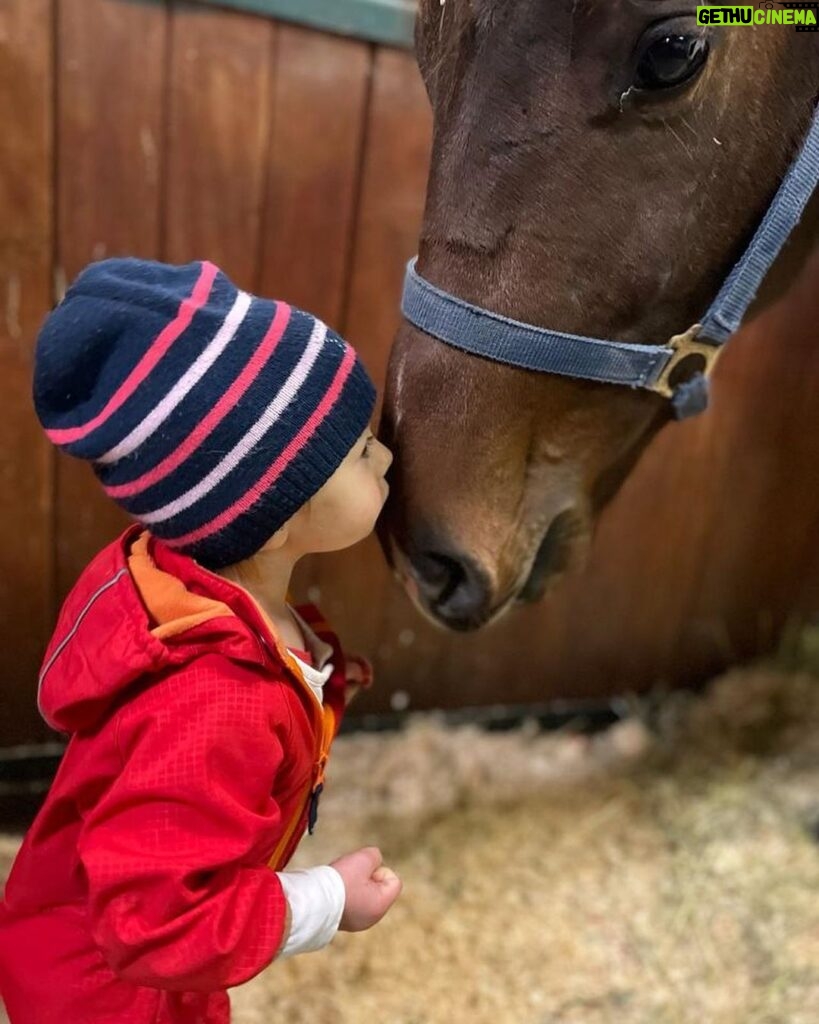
{"x":228,"y":401}
{"x":158,"y":348}
{"x":290,"y":452}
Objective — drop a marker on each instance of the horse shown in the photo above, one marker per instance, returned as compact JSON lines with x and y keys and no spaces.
{"x":597,"y":169}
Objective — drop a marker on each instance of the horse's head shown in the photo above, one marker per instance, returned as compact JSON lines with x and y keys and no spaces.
{"x":597,"y":168}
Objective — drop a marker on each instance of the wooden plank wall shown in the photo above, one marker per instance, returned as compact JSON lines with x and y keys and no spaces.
{"x":171,"y":131}
{"x":26,"y":251}
{"x":297,"y":161}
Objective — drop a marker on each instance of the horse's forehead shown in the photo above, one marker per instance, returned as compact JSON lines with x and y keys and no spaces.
{"x":557,"y":16}
{"x":485,"y":8}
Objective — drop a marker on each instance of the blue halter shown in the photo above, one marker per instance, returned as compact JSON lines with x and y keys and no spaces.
{"x":653,"y":367}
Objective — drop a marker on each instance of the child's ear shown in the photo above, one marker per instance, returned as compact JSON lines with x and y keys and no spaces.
{"x":279,"y":538}
{"x":289,"y":530}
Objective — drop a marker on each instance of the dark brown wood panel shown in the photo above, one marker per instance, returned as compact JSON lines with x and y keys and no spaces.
{"x":713,"y":543}
{"x":26,"y":242}
{"x":111,"y":91}
{"x":355,"y":587}
{"x":392,"y":204}
{"x":219,"y":127}
{"x":319,"y":96}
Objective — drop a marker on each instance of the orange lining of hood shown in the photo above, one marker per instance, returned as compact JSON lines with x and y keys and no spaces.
{"x":167,"y":600}
{"x":175,"y":609}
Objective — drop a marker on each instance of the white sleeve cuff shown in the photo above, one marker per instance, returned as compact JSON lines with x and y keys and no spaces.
{"x":316,"y":898}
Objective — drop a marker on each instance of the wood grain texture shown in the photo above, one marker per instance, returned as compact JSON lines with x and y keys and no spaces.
{"x":111,"y":91}
{"x":392,"y":204}
{"x":26,"y":242}
{"x":319,"y":95}
{"x":355,"y":587}
{"x":221,"y":68}
{"x":381,"y":21}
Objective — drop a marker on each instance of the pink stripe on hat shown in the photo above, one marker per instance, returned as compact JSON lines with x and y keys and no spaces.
{"x":227,"y":402}
{"x":287,"y":394}
{"x":155,"y":352}
{"x":157,"y":416}
{"x":158,"y":348}
{"x":281,"y":463}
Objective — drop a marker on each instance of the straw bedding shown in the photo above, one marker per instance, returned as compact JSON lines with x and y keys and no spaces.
{"x":664,"y":872}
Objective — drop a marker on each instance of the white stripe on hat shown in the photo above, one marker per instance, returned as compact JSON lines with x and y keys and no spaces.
{"x":195,"y":372}
{"x":287,"y":394}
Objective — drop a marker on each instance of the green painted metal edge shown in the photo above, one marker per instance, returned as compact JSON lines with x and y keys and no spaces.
{"x":379,"y":21}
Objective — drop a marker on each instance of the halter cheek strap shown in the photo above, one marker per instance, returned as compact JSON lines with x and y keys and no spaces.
{"x":678,"y":370}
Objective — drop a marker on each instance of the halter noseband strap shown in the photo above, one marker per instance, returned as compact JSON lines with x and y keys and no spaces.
{"x":690,"y":356}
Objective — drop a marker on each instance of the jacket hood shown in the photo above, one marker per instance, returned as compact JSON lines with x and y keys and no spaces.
{"x":138,"y":610}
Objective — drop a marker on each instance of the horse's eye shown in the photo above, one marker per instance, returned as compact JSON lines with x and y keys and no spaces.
{"x":670,"y":60}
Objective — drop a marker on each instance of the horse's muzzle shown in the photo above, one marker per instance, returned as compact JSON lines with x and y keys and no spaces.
{"x":456,"y":591}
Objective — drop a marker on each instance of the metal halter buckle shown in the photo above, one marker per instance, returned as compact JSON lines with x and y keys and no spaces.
{"x":689,"y":358}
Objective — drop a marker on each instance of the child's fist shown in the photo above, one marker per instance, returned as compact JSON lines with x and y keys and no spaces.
{"x":359,"y":673}
{"x":370,"y":886}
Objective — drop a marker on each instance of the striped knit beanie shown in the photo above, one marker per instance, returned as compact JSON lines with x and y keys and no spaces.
{"x":209,"y":415}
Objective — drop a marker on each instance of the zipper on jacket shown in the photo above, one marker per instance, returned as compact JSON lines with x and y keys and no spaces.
{"x":328,"y":728}
{"x":312,"y":816}
{"x":323,"y":731}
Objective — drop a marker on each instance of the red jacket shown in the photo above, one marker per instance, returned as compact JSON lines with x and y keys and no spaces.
{"x":145,"y":887}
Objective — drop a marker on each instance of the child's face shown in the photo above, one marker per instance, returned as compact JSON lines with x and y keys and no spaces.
{"x":346,"y":508}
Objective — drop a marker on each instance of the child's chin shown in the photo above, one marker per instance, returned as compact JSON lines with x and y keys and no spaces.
{"x":350,"y":539}
{"x":370,"y":530}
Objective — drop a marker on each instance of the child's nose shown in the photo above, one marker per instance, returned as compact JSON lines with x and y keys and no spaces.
{"x":386,"y":455}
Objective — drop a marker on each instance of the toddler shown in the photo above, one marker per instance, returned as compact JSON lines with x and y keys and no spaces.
{"x":200,"y":705}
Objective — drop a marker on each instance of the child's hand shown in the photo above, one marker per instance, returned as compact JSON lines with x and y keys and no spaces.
{"x":359,"y":675}
{"x":371,"y":888}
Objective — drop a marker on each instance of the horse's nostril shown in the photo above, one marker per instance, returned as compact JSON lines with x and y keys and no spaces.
{"x":454,"y":588}
{"x":439,"y":575}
